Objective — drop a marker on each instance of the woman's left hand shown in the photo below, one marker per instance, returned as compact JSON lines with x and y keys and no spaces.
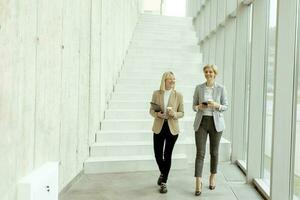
{"x":213,"y":105}
{"x":171,"y":113}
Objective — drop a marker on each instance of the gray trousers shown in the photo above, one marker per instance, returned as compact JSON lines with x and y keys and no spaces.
{"x":207,"y":127}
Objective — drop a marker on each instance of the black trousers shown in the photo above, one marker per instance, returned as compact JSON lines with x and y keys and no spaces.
{"x":163,"y":147}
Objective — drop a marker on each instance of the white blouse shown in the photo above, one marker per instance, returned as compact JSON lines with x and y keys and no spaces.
{"x":167,"y":94}
{"x":208,"y":96}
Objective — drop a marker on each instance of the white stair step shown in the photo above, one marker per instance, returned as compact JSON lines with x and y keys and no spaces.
{"x":162,"y":67}
{"x":168,"y":45}
{"x":161,"y":28}
{"x":162,"y":25}
{"x":165,"y":60}
{"x":150,"y":67}
{"x":162,"y":62}
{"x":130,"y":148}
{"x":182,"y":36}
{"x":162,"y":52}
{"x":156,"y":80}
{"x":145,"y":96}
{"x":141,"y":124}
{"x":140,"y":104}
{"x":122,"y":124}
{"x":182,"y":74}
{"x":111,"y":164}
{"x":134,"y":136}
{"x":166,"y":18}
{"x":147,"y":18}
{"x":181,"y":39}
{"x":127,"y":114}
{"x":148,"y":44}
{"x":150,"y":88}
{"x":146,"y":57}
{"x":115,"y":114}
{"x":166,"y":22}
{"x":179,"y":74}
{"x":124,"y":135}
{"x":163,"y":22}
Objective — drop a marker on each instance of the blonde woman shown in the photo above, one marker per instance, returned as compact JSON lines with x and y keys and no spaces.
{"x":210,"y":101}
{"x":166,"y":108}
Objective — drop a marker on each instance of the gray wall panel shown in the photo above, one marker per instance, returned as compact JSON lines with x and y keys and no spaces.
{"x":83,"y":84}
{"x":69,"y":93}
{"x":53,"y":86}
{"x":48,"y":86}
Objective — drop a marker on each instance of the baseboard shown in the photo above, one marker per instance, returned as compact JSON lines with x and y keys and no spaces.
{"x":70,"y":184}
{"x":242,"y":165}
{"x":262,"y":188}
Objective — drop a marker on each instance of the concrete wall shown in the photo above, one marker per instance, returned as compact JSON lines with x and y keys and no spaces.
{"x":59,"y":61}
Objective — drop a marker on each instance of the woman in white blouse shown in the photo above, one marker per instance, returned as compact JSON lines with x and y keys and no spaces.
{"x":209,"y":101}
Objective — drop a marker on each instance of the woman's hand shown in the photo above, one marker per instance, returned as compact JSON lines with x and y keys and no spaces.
{"x":213,"y":105}
{"x":171,"y":113}
{"x":160,"y":115}
{"x":202,"y":106}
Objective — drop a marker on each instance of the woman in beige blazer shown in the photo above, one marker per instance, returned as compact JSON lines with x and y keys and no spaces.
{"x":165,"y":126}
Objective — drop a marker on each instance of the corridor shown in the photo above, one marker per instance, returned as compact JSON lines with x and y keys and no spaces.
{"x":142,"y":185}
{"x":76,"y":81}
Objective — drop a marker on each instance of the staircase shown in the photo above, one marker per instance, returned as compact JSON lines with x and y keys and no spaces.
{"x":124,"y":143}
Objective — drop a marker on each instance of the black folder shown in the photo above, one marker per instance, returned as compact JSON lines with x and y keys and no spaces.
{"x":156,"y":107}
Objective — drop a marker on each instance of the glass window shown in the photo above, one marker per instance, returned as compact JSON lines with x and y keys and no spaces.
{"x":247,"y":89}
{"x":269,"y":98}
{"x":297,"y":144}
{"x":297,"y":137}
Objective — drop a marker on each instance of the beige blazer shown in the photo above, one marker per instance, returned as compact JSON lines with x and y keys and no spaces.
{"x":176,"y":102}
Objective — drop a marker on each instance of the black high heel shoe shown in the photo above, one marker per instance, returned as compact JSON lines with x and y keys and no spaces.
{"x":212,"y":187}
{"x":198,"y":193}
{"x":159,"y":180}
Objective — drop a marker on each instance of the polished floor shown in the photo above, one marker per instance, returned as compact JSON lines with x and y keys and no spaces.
{"x":142,"y":186}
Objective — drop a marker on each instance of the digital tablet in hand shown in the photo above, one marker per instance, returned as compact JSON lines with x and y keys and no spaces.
{"x":155,"y":107}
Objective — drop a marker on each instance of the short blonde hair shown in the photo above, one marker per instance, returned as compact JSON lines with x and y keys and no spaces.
{"x":165,"y":76}
{"x":211,"y":66}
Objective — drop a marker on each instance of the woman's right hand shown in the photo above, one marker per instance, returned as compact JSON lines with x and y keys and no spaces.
{"x":201,"y":106}
{"x":160,"y":115}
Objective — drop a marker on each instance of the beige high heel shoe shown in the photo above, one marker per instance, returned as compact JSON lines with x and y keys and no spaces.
{"x":212,"y":186}
{"x":198,"y":192}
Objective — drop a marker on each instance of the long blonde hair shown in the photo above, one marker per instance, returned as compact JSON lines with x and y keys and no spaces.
{"x":165,"y":76}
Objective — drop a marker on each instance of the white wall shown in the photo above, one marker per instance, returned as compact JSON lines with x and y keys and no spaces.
{"x":175,"y":8}
{"x":59,"y":61}
{"x":152,"y":5}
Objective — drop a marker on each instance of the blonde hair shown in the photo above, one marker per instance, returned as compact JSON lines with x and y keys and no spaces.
{"x":165,"y":76}
{"x":211,"y":66}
